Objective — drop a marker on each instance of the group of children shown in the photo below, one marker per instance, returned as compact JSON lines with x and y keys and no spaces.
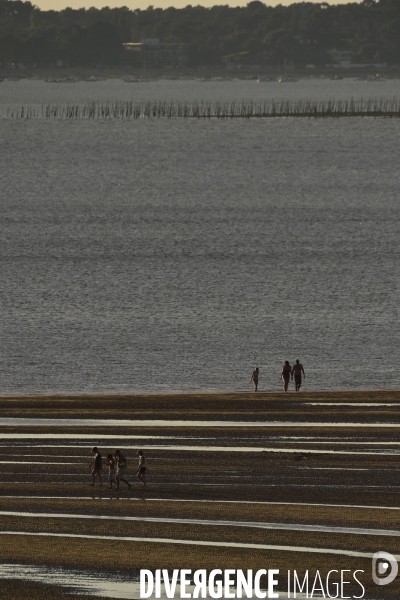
{"x":116,"y":468}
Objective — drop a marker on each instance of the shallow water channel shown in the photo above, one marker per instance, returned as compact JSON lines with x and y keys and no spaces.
{"x":27,"y":421}
{"x":250,"y":524}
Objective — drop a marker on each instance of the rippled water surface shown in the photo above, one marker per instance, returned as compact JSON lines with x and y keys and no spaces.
{"x":151,"y":256}
{"x":37,"y":92}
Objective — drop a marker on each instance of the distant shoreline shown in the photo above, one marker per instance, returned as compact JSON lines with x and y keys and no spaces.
{"x":207,"y":394}
{"x":243,"y":73}
{"x":246,"y":391}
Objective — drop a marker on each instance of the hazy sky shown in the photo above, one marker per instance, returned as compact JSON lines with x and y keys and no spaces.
{"x":143,"y":4}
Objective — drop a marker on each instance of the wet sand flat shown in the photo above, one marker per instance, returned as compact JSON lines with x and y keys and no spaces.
{"x":275,"y":477}
{"x":228,"y":468}
{"x":233,"y":406}
{"x":90,"y":553}
{"x":28,"y":590}
{"x":210,"y":534}
{"x":319,"y":515}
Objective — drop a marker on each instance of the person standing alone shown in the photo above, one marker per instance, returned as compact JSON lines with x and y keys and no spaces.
{"x":254,"y":378}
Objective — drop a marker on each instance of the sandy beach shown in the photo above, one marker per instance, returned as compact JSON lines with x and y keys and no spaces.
{"x":313,"y":482}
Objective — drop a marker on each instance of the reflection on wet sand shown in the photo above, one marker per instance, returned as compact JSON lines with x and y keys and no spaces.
{"x":98,"y":583}
{"x":250,"y":524}
{"x":186,"y":500}
{"x":79,"y":582}
{"x":154,"y":540}
{"x":250,"y":449}
{"x":24,"y":422}
{"x":88,"y":436}
{"x":380,"y":404}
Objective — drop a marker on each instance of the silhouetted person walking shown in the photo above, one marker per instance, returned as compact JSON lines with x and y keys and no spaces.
{"x":97,"y":465}
{"x":121,"y":466}
{"x":141,"y":472}
{"x":254,"y":378}
{"x":286,"y":374}
{"x":297,"y":371}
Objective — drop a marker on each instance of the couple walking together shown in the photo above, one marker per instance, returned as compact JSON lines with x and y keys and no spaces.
{"x":287,"y":372}
{"x":116,"y":468}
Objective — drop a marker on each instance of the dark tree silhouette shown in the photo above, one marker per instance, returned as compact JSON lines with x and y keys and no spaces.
{"x":256,"y":34}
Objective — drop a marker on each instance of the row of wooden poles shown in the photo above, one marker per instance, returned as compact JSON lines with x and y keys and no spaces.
{"x":378,"y":107}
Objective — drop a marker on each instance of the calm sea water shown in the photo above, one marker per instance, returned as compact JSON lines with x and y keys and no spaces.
{"x":40,"y":92}
{"x":150,"y":256}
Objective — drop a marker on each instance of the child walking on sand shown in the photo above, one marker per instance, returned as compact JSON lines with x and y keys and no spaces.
{"x":141,"y":472}
{"x":111,"y":470}
{"x":97,"y":466}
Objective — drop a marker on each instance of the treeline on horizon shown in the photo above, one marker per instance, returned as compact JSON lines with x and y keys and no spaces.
{"x":301,"y":33}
